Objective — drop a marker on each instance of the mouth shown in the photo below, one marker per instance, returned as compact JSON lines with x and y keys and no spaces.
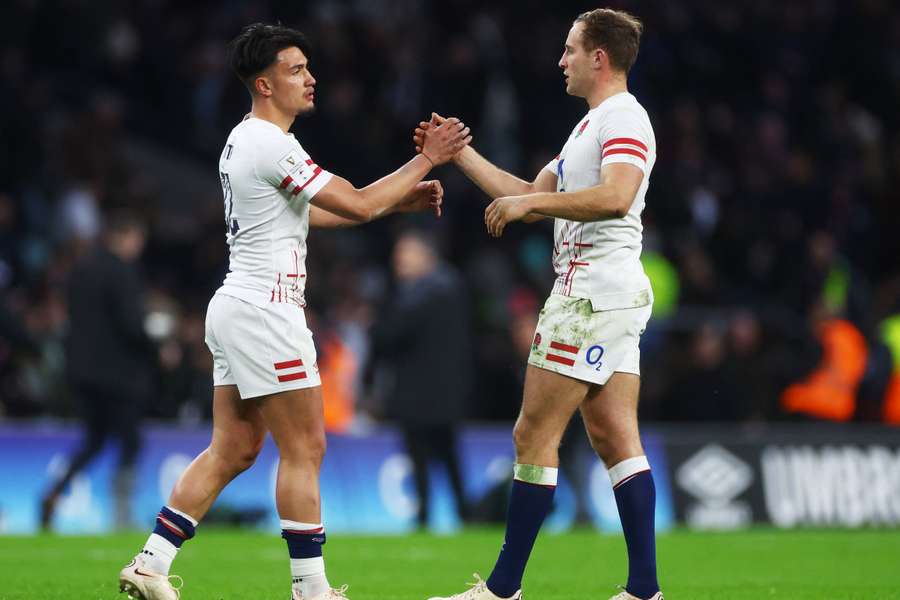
{"x":310,"y":95}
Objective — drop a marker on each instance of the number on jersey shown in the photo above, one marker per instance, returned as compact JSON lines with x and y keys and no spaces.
{"x":231,"y":225}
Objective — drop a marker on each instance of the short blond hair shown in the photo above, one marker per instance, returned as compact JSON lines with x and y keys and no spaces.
{"x":616,"y":31}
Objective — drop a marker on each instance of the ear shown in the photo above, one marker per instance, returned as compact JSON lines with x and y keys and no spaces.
{"x":600,"y":58}
{"x":262,"y":87}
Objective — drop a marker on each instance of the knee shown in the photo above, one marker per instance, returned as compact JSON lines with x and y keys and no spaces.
{"x":306,"y":447}
{"x":241,"y":457}
{"x":524,"y":436}
{"x":601,"y":441}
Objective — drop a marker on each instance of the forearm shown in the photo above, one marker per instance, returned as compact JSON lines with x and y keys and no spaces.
{"x":323,"y":219}
{"x":594,"y":204}
{"x":494,"y":181}
{"x":380,"y":198}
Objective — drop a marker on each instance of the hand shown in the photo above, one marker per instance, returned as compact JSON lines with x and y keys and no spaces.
{"x":426,"y":195}
{"x":442,"y":139}
{"x":505,"y":210}
{"x":419,"y":133}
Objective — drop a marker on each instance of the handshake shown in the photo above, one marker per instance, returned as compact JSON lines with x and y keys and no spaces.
{"x":440,"y":139}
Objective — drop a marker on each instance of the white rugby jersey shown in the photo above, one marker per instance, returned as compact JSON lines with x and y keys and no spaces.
{"x":600,"y":260}
{"x":267,"y":180}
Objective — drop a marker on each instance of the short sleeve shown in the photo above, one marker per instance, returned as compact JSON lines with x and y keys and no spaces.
{"x":290,"y":168}
{"x":625,"y":139}
{"x":553,"y":166}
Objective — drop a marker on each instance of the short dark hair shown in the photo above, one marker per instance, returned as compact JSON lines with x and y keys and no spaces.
{"x":616,"y":31}
{"x":257,"y":46}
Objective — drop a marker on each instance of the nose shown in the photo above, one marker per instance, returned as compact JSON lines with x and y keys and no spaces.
{"x":562,"y":61}
{"x":311,"y":81}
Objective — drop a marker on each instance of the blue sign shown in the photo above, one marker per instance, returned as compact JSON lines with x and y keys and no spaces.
{"x":366,"y":481}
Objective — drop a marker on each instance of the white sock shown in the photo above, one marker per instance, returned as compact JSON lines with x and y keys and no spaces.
{"x":158,"y":554}
{"x":308,"y":576}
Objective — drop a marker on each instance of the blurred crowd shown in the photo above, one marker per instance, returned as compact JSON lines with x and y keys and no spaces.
{"x":771,"y":227}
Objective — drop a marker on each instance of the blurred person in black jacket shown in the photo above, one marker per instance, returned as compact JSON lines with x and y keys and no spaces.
{"x":424,"y":336}
{"x":109,"y":357}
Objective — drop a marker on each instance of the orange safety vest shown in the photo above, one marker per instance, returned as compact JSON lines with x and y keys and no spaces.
{"x":338,"y":372}
{"x":892,"y":399}
{"x":830,"y":391}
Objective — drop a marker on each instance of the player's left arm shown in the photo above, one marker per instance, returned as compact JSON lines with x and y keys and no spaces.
{"x":426,"y":195}
{"x":610,"y":199}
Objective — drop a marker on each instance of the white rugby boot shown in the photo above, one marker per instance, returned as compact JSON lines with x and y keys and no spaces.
{"x":332,"y":594}
{"x":142,"y":584}
{"x":478,"y":591}
{"x":623,"y":595}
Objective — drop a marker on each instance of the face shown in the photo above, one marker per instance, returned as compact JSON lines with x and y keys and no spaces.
{"x":412,"y":258}
{"x":291,"y":83}
{"x":577,"y":63}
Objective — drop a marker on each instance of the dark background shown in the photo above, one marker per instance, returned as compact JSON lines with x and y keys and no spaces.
{"x":773,"y":205}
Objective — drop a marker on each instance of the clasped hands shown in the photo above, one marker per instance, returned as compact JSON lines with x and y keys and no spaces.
{"x":499,"y":212}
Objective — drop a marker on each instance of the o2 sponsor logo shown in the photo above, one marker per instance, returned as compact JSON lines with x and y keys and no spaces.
{"x":594,"y":356}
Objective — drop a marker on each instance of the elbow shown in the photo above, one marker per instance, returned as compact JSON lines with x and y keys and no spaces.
{"x":620,"y":207}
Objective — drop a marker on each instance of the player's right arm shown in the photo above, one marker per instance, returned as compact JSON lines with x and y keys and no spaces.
{"x":391,"y":192}
{"x":493,"y":181}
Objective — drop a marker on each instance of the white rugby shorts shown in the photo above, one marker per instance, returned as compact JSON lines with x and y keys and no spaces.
{"x":573,"y":340}
{"x":261,"y":350}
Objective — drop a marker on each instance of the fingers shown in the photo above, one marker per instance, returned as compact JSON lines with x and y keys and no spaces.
{"x":440,"y":138}
{"x":495,"y":218}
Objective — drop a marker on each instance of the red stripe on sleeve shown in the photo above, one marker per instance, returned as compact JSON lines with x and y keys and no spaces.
{"x":288,"y":364}
{"x":637,"y":153}
{"x":286,"y":182}
{"x":300,"y":188}
{"x":292,"y":377}
{"x":629,"y":141}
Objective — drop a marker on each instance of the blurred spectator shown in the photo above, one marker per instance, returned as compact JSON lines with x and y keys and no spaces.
{"x":423,"y":335}
{"x":829,"y":392}
{"x":110,"y":358}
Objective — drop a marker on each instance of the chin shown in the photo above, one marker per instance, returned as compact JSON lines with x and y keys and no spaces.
{"x":307,"y":110}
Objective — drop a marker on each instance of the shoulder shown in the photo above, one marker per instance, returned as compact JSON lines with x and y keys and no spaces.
{"x":625,"y":118}
{"x":625,"y":109}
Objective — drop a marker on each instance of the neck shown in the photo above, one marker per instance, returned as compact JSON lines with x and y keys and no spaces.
{"x":268,"y":112}
{"x":604,"y":89}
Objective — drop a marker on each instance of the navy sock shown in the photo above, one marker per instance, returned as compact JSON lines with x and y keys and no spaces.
{"x":304,"y":543}
{"x":636,"y":499}
{"x":173,"y":527}
{"x":529,"y":503}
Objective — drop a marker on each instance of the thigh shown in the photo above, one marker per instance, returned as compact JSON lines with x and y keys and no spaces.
{"x":572,"y":339}
{"x":238,"y":427}
{"x":296,"y":420}
{"x":548,"y":402}
{"x":263,"y":351}
{"x":610,"y":417}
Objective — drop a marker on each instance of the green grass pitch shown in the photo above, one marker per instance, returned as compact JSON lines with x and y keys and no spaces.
{"x":222,"y":564}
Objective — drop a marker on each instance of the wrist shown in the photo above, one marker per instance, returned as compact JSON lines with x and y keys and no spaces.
{"x":428,"y":158}
{"x":528,"y":203}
